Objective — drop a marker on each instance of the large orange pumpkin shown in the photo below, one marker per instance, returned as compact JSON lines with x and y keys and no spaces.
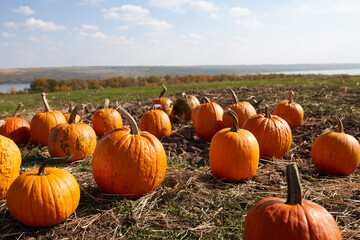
{"x":234,"y":153}
{"x":207,"y":119}
{"x":243,"y":110}
{"x":166,"y":103}
{"x":42,"y":123}
{"x":275,"y":218}
{"x":336,"y":152}
{"x":129,"y":163}
{"x":290,"y":111}
{"x":106,"y":119}
{"x":15,"y":128}
{"x":78,"y":139}
{"x":272,"y":133}
{"x":10,"y":161}
{"x":156,"y":122}
{"x":183,"y":106}
{"x":43,"y":197}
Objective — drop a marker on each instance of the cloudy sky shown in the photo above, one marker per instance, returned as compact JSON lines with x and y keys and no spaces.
{"x":45,"y":33}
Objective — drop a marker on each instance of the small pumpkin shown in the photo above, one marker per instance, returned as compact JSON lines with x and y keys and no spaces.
{"x":10,"y":161}
{"x":336,"y":153}
{"x":243,"y":110}
{"x":78,"y":139}
{"x":106,"y":119}
{"x":234,"y":152}
{"x":166,"y":103}
{"x":44,"y":197}
{"x":272,"y":133}
{"x":156,"y":122}
{"x":183,"y":106}
{"x":15,"y":128}
{"x":129,"y":163}
{"x":290,"y":111}
{"x":207,"y":119}
{"x":42,"y":123}
{"x":276,"y":218}
{"x":67,"y":115}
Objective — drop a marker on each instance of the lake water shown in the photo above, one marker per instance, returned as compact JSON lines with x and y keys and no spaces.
{"x":5,"y":87}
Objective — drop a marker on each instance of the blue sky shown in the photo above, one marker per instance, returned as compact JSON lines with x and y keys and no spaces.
{"x":57,"y":33}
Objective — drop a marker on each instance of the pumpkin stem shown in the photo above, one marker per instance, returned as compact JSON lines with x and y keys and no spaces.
{"x":70,"y":107}
{"x":52,"y":160}
{"x":156,"y":106}
{"x":233,"y":95}
{"x":267,"y":112}
{"x":106,"y":104}
{"x":46,"y":104}
{"x":185,"y":97}
{"x":163,"y":91}
{"x":294,"y":186}
{"x":73,"y":114}
{"x":133,"y":126}
{"x":233,"y":115}
{"x":17,"y":109}
{"x":291,"y":95}
{"x":339,"y":124}
{"x":207,"y":100}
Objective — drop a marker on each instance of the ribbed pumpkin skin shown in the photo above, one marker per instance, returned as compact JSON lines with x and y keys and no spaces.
{"x":244,"y":110}
{"x":207,"y":119}
{"x":43,"y":200}
{"x":105,"y":120}
{"x":41,"y":125}
{"x":166,"y":105}
{"x":17,"y":129}
{"x":273,"y":134}
{"x":184,"y":106}
{"x":129,"y":165}
{"x":272,"y":219}
{"x":336,"y":153}
{"x":10,"y":161}
{"x":234,"y":156}
{"x":292,"y":113}
{"x":156,"y":122}
{"x":78,"y":139}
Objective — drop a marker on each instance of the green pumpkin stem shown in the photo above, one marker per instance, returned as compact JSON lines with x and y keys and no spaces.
{"x":233,"y":115}
{"x":52,"y":160}
{"x":134,"y":129}
{"x":163,"y":91}
{"x":46,"y":104}
{"x":291,"y":95}
{"x":339,"y":124}
{"x":17,"y":109}
{"x":106,"y":104}
{"x":233,"y":95}
{"x":294,"y":186}
{"x":267,"y":112}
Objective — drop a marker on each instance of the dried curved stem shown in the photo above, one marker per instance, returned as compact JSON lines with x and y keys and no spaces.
{"x":156,"y":106}
{"x":233,"y":95}
{"x":267,"y":112}
{"x":184,"y":96}
{"x":233,"y":115}
{"x":46,"y":104}
{"x":207,"y":100}
{"x":17,"y":109}
{"x":339,"y":124}
{"x":106,"y":104}
{"x":73,"y":114}
{"x":291,"y":95}
{"x":294,"y":186}
{"x":52,"y":160}
{"x":70,"y":107}
{"x":133,"y":126}
{"x":163,"y":91}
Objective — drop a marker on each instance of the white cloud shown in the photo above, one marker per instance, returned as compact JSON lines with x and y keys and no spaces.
{"x":11,"y":44}
{"x":89,"y":27}
{"x":249,"y":24}
{"x":203,"y":6}
{"x":122,"y":28}
{"x":24,"y":10}
{"x":42,"y":38}
{"x":192,"y":36}
{"x":35,"y":24}
{"x":239,"y":39}
{"x":175,"y":5}
{"x":238,"y":12}
{"x":52,"y":48}
{"x":8,"y":35}
{"x":154,"y":24}
{"x":109,"y":40}
{"x":329,"y":7}
{"x":214,"y":15}
{"x":90,"y":2}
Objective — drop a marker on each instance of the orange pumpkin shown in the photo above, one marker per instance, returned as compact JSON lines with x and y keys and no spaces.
{"x":67,"y":115}
{"x":129,"y":163}
{"x":207,"y":119}
{"x":234,"y":153}
{"x":156,"y":122}
{"x":10,"y":161}
{"x":15,"y":128}
{"x":244,"y":110}
{"x":42,"y":123}
{"x":184,"y":106}
{"x":106,"y":119}
{"x":166,"y":103}
{"x":272,"y":133}
{"x":336,"y":152}
{"x":290,"y":111}
{"x":276,"y":218}
{"x":78,"y":139}
{"x":43,"y":197}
